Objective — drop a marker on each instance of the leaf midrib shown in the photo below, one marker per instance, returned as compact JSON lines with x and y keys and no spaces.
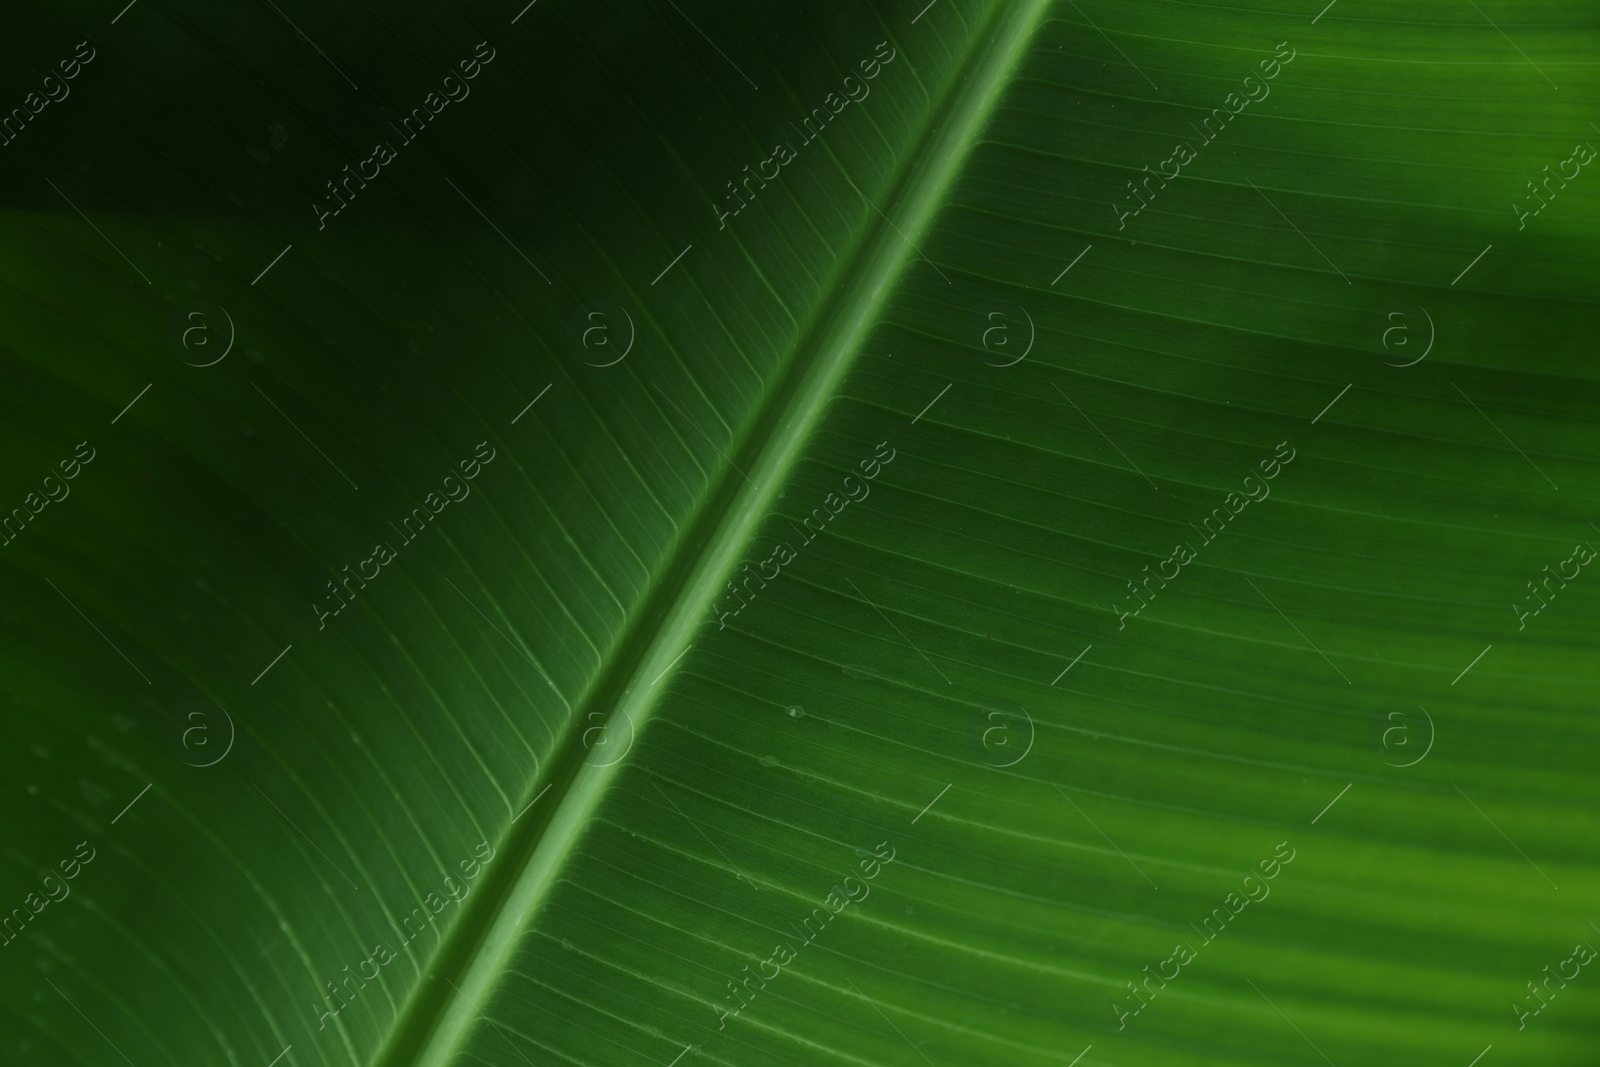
{"x":438,"y":1016}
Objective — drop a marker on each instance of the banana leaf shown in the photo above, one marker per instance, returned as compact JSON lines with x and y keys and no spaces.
{"x":978,"y":532}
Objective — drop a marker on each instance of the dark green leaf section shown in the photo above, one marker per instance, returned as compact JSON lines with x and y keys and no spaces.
{"x":234,"y":907}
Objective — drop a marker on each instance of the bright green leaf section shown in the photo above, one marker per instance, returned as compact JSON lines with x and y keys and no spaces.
{"x":1077,"y":553}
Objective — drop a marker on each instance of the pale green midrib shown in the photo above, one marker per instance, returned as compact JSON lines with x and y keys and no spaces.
{"x":879,"y":262}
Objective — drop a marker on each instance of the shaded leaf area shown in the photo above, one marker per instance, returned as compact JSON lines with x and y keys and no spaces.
{"x":379,"y":750}
{"x":974,"y":764}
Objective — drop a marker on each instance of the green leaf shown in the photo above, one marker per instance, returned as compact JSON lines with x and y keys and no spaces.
{"x":955,"y":533}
